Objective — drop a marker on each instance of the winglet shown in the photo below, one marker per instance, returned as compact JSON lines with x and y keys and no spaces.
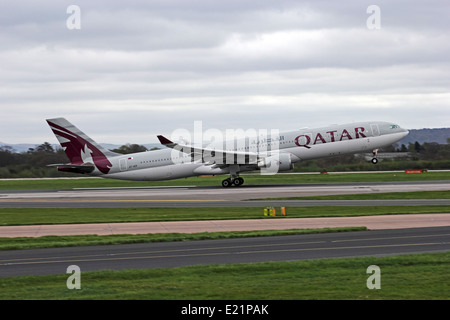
{"x":165,"y":141}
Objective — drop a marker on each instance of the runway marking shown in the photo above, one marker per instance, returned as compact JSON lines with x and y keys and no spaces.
{"x":221,"y":253}
{"x":133,"y":188}
{"x":341,"y":248}
{"x":173,"y":250}
{"x":388,"y":238}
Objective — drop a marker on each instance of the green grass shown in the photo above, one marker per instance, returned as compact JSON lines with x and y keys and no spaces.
{"x":19,"y":243}
{"x":423,"y":276}
{"x":414,"y":277}
{"x":35,"y":216}
{"x":250,"y":179}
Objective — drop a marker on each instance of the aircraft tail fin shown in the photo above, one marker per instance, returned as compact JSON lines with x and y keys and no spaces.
{"x":79,"y":147}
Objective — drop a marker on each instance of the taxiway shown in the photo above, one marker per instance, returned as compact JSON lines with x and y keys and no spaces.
{"x":244,"y":250}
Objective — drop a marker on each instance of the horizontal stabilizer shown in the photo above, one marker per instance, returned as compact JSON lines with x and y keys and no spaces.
{"x":76,"y":168}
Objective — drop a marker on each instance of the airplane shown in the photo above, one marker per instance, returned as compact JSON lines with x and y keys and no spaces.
{"x":268,"y":154}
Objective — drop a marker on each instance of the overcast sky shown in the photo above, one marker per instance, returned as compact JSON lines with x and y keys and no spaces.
{"x":136,"y":69}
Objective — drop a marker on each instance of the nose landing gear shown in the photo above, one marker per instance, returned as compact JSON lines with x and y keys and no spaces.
{"x":374,"y":159}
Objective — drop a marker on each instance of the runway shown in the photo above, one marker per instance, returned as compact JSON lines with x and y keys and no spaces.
{"x":192,"y":196}
{"x":174,"y":254}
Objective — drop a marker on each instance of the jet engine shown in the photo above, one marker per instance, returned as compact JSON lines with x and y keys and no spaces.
{"x":275,"y":163}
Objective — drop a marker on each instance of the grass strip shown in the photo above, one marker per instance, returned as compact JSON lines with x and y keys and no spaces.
{"x":412,"y":277}
{"x":36,"y":216}
{"x":92,"y":240}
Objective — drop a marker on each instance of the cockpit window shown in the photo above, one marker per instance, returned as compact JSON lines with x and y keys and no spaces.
{"x":394,"y":126}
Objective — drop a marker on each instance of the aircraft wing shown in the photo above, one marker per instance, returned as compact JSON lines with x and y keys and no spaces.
{"x":220,"y":158}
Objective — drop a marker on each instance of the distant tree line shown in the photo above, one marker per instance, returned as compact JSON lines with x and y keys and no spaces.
{"x":130,"y":148}
{"x":432,"y":156}
{"x":33,"y":163}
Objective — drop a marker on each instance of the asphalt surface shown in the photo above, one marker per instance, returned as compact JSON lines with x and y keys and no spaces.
{"x":192,"y":196}
{"x":244,"y":250}
{"x":153,"y":255}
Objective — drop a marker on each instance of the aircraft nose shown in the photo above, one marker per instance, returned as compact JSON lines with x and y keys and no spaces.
{"x":405,"y":132}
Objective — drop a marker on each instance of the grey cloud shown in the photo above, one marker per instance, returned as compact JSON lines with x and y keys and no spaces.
{"x":160,"y":64}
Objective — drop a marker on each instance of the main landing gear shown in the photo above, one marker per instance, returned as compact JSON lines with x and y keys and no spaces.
{"x":229,"y":182}
{"x":234,"y":179}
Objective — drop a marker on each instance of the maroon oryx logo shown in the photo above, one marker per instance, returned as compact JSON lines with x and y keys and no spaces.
{"x":79,"y":149}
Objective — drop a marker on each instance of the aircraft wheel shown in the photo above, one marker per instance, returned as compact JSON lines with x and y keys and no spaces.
{"x":238,"y":182}
{"x":374,"y":160}
{"x":226,"y":183}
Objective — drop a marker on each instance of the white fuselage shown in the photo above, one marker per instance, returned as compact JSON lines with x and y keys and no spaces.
{"x":302,"y":144}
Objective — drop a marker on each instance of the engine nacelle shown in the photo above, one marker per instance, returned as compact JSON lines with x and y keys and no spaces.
{"x":275,"y":163}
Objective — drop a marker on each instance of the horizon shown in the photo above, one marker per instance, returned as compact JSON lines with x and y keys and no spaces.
{"x":154,"y":143}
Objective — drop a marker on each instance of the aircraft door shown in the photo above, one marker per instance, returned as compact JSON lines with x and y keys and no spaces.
{"x":123,"y":164}
{"x":375,"y":130}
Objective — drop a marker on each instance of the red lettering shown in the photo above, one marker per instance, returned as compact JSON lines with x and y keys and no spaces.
{"x":308,"y":141}
{"x":345,"y":134}
{"x":332,"y":135}
{"x":359,"y":132}
{"x":319,"y":137}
